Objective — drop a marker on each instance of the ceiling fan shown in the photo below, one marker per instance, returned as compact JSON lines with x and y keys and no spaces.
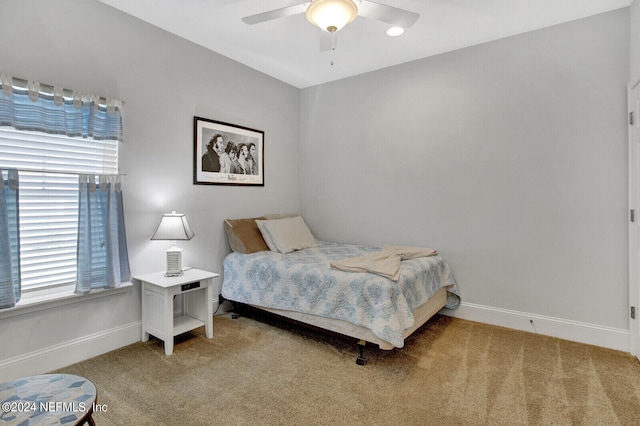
{"x":332,"y":15}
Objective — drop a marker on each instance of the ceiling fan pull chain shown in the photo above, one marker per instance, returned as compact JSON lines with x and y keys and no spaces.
{"x":333,"y":45}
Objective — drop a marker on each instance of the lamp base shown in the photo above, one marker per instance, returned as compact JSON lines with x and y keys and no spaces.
{"x":174,"y":262}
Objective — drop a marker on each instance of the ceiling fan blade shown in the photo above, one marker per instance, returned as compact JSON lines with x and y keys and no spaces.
{"x":390,"y":15}
{"x":275,"y":14}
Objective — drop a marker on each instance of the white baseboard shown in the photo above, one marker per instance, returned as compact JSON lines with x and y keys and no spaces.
{"x":608,"y":337}
{"x":71,"y":352}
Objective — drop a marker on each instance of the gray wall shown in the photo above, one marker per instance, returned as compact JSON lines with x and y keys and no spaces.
{"x":634,"y":47}
{"x":509,"y":157}
{"x":164,"y":81}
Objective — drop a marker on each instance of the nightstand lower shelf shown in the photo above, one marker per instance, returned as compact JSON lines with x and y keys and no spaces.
{"x":185,"y":323}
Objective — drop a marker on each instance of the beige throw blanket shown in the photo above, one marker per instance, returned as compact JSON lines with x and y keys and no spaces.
{"x":385,"y":263}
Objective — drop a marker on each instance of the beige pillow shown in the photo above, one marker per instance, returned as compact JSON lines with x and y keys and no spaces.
{"x":286,"y":235}
{"x":265,"y":232}
{"x":244,"y":235}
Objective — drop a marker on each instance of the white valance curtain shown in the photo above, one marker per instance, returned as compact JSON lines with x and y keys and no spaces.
{"x":29,"y":105}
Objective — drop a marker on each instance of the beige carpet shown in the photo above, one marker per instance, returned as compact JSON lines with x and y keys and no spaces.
{"x":450,"y":372}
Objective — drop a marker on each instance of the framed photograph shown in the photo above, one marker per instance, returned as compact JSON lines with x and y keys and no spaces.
{"x":227,"y":154}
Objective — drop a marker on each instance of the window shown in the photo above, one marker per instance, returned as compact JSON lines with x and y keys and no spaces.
{"x":48,"y":200}
{"x":64,"y":145}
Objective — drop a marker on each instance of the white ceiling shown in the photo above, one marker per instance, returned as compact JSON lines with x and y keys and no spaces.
{"x":289,"y":48}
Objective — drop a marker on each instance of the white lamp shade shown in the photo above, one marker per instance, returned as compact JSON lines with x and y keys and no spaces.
{"x":331,"y":15}
{"x":173,"y":226}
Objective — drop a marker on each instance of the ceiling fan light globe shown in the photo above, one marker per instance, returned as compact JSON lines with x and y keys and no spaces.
{"x":331,"y":15}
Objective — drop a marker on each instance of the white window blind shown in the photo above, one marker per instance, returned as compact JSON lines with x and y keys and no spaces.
{"x":48,"y":167}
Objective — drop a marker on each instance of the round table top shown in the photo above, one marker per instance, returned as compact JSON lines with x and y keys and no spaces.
{"x":49,"y":399}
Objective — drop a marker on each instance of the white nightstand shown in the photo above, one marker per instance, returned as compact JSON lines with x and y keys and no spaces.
{"x":158,"y":292}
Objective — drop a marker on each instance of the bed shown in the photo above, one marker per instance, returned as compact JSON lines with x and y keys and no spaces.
{"x":302,"y":280}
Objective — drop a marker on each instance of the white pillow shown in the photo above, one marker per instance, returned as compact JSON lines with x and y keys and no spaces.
{"x":286,"y":235}
{"x":266,"y":236}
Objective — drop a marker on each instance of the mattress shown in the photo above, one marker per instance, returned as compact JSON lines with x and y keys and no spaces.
{"x":303,"y":282}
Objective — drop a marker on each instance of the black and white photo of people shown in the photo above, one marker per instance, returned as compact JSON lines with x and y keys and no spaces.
{"x":229,"y":153}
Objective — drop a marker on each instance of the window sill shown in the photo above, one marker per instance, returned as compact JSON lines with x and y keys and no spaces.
{"x":41,"y":300}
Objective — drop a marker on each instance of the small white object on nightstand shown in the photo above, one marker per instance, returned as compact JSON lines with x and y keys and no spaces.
{"x":158,"y":292}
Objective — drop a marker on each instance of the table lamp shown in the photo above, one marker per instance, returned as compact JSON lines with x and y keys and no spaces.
{"x":173,"y":226}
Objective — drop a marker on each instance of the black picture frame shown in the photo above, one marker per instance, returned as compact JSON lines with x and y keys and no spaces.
{"x":227,"y":154}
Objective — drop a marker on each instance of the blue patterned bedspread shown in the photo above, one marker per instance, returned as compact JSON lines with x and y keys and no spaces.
{"x":303,"y":281}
